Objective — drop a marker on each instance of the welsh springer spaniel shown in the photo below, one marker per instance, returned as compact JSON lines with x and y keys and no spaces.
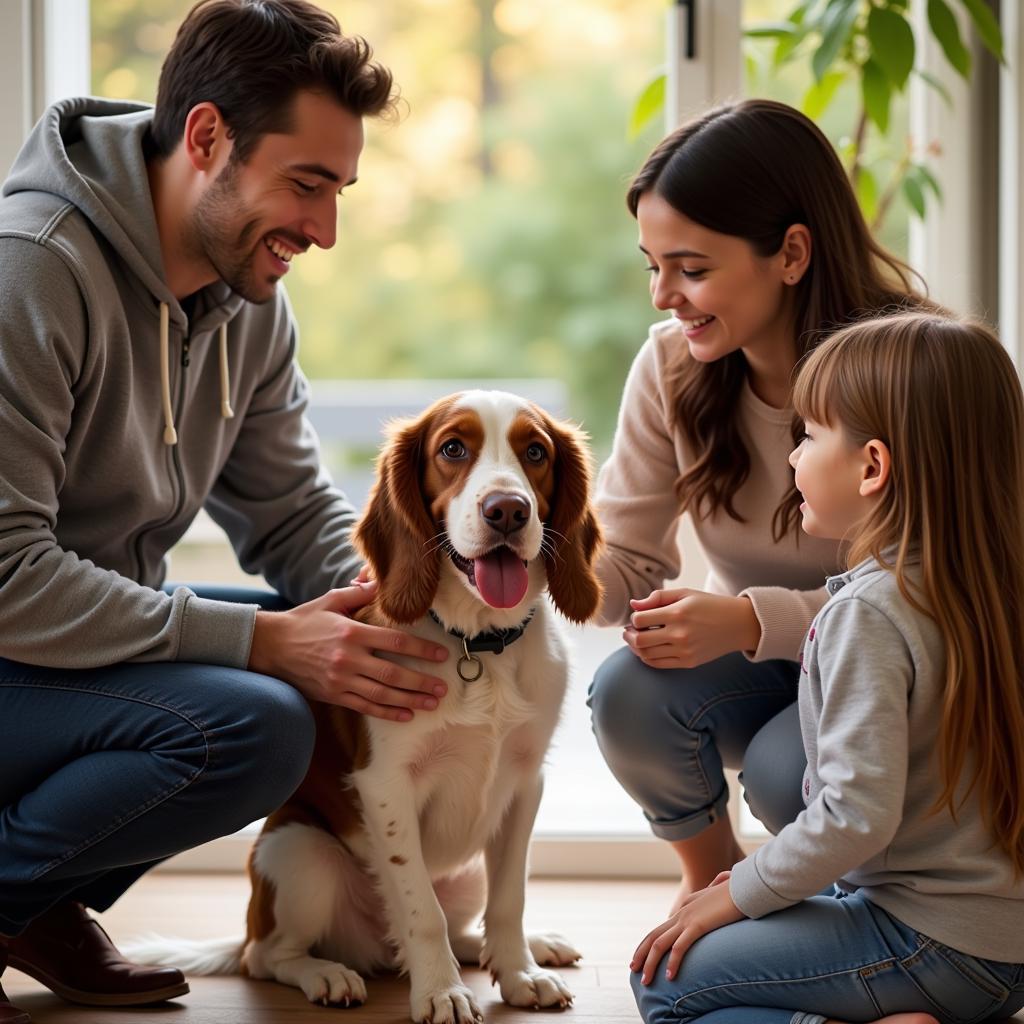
{"x":402,"y":833}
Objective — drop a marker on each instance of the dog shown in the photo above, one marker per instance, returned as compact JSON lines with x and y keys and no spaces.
{"x":402,"y":834}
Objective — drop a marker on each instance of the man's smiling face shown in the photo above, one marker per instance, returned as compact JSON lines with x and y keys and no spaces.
{"x":257,"y":215}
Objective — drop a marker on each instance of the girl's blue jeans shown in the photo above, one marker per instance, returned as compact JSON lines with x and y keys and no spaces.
{"x":104,"y":772}
{"x":838,"y":957}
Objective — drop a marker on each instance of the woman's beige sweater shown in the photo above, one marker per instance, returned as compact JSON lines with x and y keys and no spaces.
{"x":639,"y":510}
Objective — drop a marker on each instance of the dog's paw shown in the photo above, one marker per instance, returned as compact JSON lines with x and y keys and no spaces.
{"x":332,"y":985}
{"x":453,"y":1005}
{"x":552,"y":950}
{"x":535,"y":988}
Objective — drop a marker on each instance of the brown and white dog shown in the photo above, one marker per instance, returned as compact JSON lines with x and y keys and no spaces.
{"x":375,"y":862}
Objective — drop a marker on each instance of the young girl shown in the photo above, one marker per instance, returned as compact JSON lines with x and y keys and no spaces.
{"x":911,"y":706}
{"x":756,"y":247}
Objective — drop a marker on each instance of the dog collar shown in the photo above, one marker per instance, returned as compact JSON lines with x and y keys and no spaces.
{"x":493,"y":641}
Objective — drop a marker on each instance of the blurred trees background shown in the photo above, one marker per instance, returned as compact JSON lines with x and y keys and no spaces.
{"x":487,"y":236}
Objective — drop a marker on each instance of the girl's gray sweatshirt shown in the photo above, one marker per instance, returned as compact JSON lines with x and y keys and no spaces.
{"x":93,"y":493}
{"x":871,"y":695}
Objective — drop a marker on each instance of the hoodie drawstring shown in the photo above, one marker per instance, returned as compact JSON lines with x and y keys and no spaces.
{"x":225,"y":381}
{"x":170,"y":434}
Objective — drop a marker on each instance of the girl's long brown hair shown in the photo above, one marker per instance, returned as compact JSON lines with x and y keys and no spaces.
{"x":944,"y":396}
{"x":753,"y":169}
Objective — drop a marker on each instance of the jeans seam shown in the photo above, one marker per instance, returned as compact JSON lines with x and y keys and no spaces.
{"x":963,"y":969}
{"x":677,"y":1006}
{"x":719,"y":698}
{"x":691,"y":725}
{"x":136,"y":812}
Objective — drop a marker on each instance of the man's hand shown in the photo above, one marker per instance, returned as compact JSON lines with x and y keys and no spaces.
{"x":329,"y":656}
{"x":685,"y":628}
{"x":703,"y":912}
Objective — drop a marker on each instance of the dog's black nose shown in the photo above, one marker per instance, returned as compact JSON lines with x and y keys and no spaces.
{"x":505,"y":512}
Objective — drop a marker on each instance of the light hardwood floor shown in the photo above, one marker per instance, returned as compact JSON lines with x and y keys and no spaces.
{"x":604,"y":919}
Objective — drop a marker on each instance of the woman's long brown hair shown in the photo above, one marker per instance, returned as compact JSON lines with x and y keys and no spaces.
{"x":944,"y":396}
{"x":754,"y":169}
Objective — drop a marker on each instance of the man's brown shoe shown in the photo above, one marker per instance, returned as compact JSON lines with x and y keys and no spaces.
{"x":9,"y":1014}
{"x":72,"y":955}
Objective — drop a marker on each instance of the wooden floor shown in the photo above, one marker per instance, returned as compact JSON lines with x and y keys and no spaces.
{"x":604,"y":919}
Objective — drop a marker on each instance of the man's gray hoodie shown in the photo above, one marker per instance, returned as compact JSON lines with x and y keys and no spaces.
{"x":93,"y":493}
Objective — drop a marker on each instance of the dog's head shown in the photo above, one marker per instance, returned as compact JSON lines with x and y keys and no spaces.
{"x":486,"y":497}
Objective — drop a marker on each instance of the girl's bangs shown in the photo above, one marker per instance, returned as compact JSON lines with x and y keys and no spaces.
{"x":815,"y":391}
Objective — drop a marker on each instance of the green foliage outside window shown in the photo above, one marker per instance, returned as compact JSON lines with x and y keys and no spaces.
{"x":871,"y":46}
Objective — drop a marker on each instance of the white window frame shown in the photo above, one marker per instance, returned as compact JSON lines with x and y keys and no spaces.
{"x":1011,"y":184}
{"x":44,"y":56}
{"x":953,"y":248}
{"x":704,"y":57}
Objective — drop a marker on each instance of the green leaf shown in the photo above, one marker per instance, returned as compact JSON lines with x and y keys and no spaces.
{"x":752,"y":71}
{"x":770,"y":30}
{"x":836,"y":26}
{"x":912,"y":190}
{"x":926,"y":179}
{"x":797,"y":15}
{"x":987,"y":27}
{"x":877,"y":93}
{"x":892,"y":44}
{"x":786,"y":46}
{"x":936,"y":84}
{"x":650,"y":103}
{"x":867,"y":194}
{"x":820,"y":94}
{"x":947,"y":31}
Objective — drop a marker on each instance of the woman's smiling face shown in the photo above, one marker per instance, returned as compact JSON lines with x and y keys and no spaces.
{"x":726,"y":296}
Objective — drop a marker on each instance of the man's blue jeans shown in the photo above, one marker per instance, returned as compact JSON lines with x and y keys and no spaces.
{"x":105,"y":772}
{"x":828,"y":957}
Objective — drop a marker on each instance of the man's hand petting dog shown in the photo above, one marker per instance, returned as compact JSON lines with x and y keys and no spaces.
{"x":325,"y":653}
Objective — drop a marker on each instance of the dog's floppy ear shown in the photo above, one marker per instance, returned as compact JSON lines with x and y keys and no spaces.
{"x":573,"y":536}
{"x":396,"y":532}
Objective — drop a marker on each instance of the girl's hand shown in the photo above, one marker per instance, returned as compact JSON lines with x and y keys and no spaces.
{"x":685,"y":628}
{"x":703,"y":912}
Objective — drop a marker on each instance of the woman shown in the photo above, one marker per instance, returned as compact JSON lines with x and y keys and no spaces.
{"x":757,"y":248}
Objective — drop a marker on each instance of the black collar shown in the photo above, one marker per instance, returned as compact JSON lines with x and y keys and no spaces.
{"x":493,"y":641}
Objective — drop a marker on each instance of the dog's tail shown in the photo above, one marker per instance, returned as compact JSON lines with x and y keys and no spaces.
{"x":192,"y":956}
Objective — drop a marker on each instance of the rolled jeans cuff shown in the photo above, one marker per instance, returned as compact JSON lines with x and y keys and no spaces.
{"x":691,"y":824}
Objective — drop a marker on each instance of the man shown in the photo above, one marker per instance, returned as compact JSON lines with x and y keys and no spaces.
{"x":147,"y":369}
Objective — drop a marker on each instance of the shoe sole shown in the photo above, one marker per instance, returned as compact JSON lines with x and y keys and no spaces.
{"x":74,"y":995}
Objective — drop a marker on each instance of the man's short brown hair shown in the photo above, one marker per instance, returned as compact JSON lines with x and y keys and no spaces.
{"x":250,"y":58}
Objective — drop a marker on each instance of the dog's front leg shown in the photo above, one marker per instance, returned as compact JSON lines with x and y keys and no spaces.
{"x":507,"y":953}
{"x":417,"y":921}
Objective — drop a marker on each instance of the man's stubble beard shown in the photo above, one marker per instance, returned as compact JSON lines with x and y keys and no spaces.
{"x":211,"y":236}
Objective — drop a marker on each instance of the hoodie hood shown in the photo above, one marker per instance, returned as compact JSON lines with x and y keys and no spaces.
{"x":92,"y":153}
{"x":89,"y":152}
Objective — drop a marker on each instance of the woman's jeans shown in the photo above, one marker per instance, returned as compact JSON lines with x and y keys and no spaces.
{"x":104,"y":772}
{"x":667,"y":734}
{"x":836,"y":957}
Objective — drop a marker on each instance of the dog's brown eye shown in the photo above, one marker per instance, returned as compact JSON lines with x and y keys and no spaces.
{"x":453,"y":450}
{"x":536,"y":454}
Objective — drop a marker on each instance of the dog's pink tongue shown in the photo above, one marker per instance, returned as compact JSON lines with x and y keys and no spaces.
{"x":501,"y":578}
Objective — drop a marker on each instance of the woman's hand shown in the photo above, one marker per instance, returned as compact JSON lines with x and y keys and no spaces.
{"x":703,"y":912}
{"x":684,"y":628}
